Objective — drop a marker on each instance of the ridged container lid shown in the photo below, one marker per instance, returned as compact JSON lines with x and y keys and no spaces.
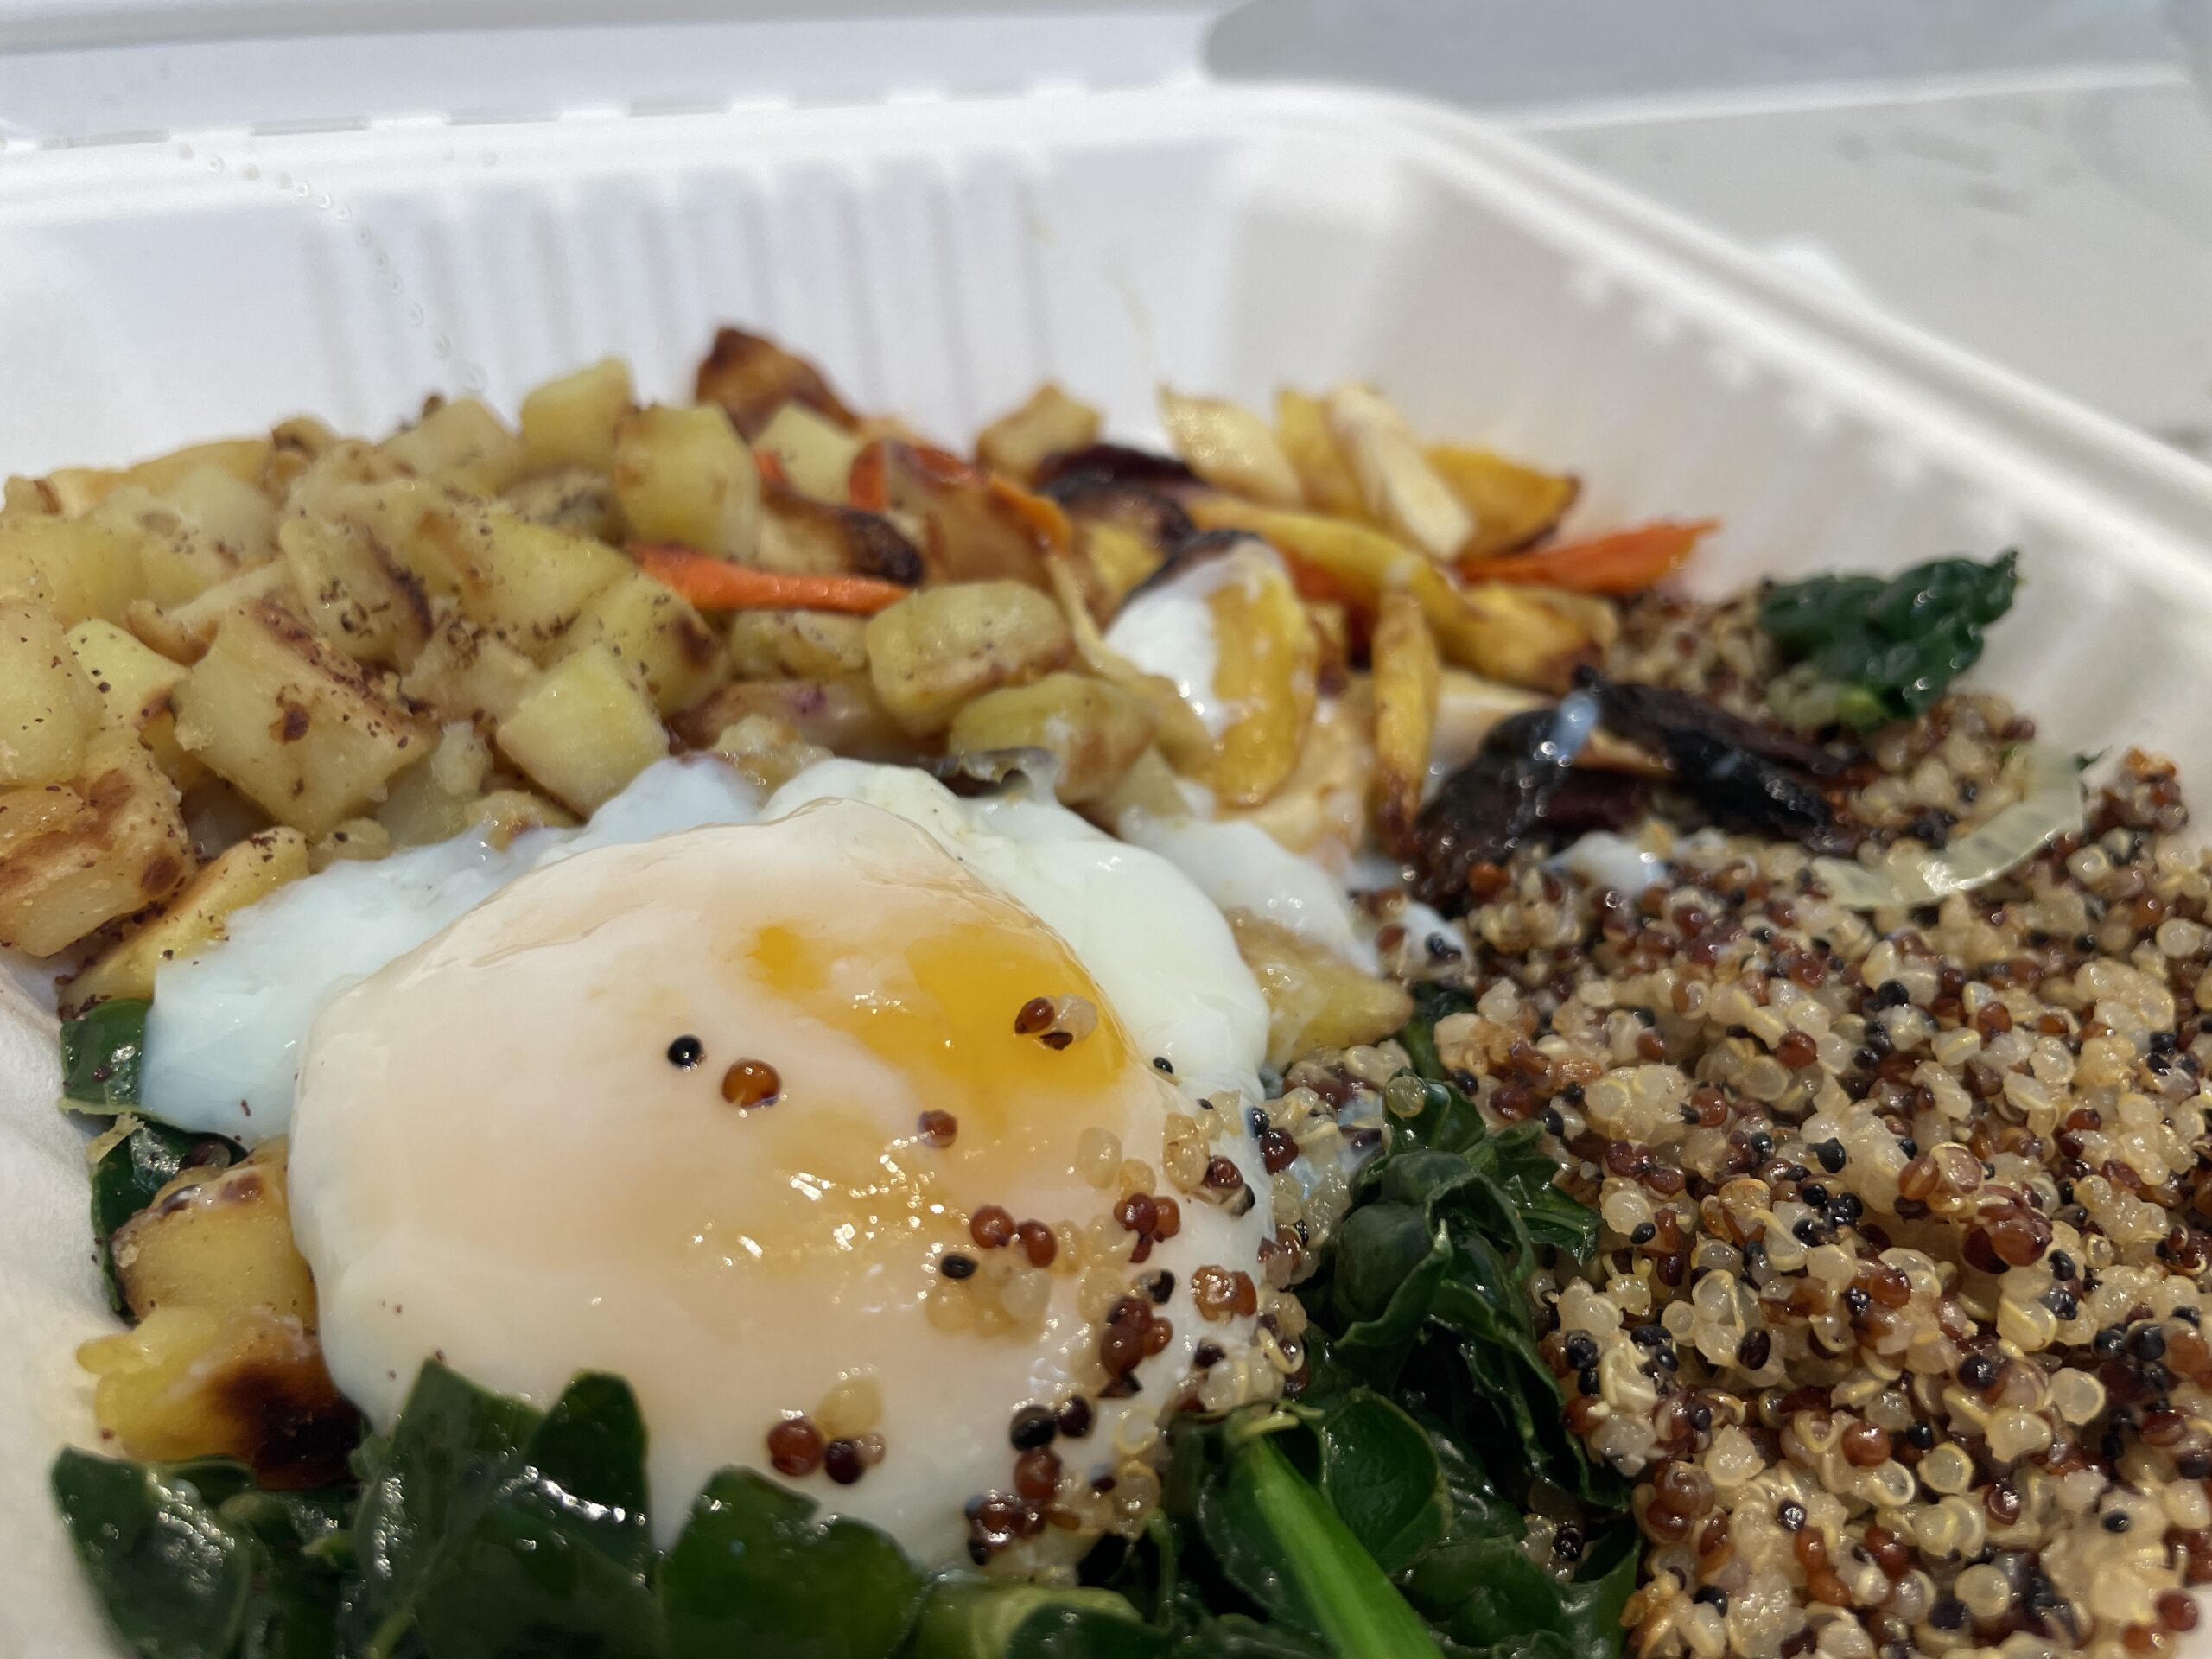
{"x":87,"y":72}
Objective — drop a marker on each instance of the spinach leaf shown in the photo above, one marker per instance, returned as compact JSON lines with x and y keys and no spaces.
{"x":190,"y":1561}
{"x":1871,"y":651}
{"x":965,"y":1619}
{"x":130,"y":1171}
{"x":487,"y":1528}
{"x":755,"y":1573}
{"x":100,"y":1055}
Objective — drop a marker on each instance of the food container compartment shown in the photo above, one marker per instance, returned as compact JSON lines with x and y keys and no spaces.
{"x":939,"y":258}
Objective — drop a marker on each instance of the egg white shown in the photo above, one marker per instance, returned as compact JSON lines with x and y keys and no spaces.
{"x":494,"y":1162}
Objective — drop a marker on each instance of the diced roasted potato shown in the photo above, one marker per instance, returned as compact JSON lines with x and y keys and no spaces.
{"x":466,"y":671}
{"x":767,"y":750}
{"x":75,"y":489}
{"x":525,"y":582}
{"x":1230,"y":448}
{"x":797,"y":645}
{"x":230,"y":511}
{"x":1124,"y":533}
{"x":1514,"y":506}
{"x":686,"y":476}
{"x":661,"y":641}
{"x":356,"y":840}
{"x":123,"y":849}
{"x":1315,"y":998}
{"x":930,"y":652}
{"x":815,"y":539}
{"x":1180,"y":734}
{"x":81,"y":567}
{"x":250,"y":1383}
{"x":751,"y":378}
{"x":292,"y":722}
{"x":218,"y":1239}
{"x":1403,"y":652}
{"x":48,"y":708}
{"x":1265,"y":674}
{"x":505,"y":813}
{"x":247,"y":871}
{"x":1324,"y":477}
{"x":430,"y":800}
{"x":814,"y":453}
{"x":326,"y":488}
{"x":1050,"y":423}
{"x":1494,"y":630}
{"x":1403,"y":492}
{"x":181,"y":633}
{"x":584,"y":730}
{"x":1148,"y":786}
{"x":294,"y":446}
{"x":571,"y":422}
{"x":1097,"y":730}
{"x":461,"y":443}
{"x":357,"y":596}
{"x":39,"y":809}
{"x":838,"y":713}
{"x":179,"y":559}
{"x":574,"y":499}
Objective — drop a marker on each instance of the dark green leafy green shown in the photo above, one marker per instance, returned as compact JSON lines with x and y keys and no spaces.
{"x":191,"y":1561}
{"x":130,"y":1171}
{"x":964,"y":1619}
{"x":1871,"y":651}
{"x":492,"y":1531}
{"x":755,"y":1573}
{"x":100,"y":1055}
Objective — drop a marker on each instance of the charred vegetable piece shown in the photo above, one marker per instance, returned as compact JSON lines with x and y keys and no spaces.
{"x":1747,"y":777}
{"x":1588,"y":800}
{"x":1497,"y":801}
{"x":1870,"y":651}
{"x":1112,"y":463}
{"x":1090,"y":499}
{"x":1648,"y":714}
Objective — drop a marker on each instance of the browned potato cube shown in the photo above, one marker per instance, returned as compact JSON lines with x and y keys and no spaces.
{"x":572,"y":500}
{"x":686,"y":478}
{"x":81,"y":567}
{"x":584,"y":731}
{"x":228,"y":511}
{"x":525,"y":582}
{"x":1097,"y":730}
{"x":751,"y":378}
{"x":431,"y":801}
{"x":124,"y":848}
{"x":250,"y":1383}
{"x":75,"y":489}
{"x":461,"y":443}
{"x":839,"y":713}
{"x":245,"y":871}
{"x":218,"y":1239}
{"x":357,"y":596}
{"x":930,"y":653}
{"x":663,"y":644}
{"x":797,"y":645}
{"x":814,"y":453}
{"x":1048,"y":424}
{"x":815,"y":539}
{"x":571,"y":422}
{"x":178,"y":558}
{"x":465,"y":671}
{"x":182,"y":633}
{"x":1407,"y":677}
{"x":48,"y":708}
{"x":293,"y":722}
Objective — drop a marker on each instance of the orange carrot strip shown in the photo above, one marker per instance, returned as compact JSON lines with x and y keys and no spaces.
{"x":1626,"y":561}
{"x":714,"y":584}
{"x":1042,"y":516}
{"x":770,"y":466}
{"x":867,"y":486}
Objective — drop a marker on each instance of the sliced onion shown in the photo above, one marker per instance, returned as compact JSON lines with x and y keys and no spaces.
{"x":2050,"y":805}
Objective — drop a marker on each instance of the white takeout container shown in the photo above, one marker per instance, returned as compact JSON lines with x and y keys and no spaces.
{"x":939,"y":253}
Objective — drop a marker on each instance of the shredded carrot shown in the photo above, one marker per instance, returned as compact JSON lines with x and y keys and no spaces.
{"x":716,"y":584}
{"x":1626,"y":561}
{"x":1045,"y":517}
{"x":770,"y":466}
{"x":867,"y":486}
